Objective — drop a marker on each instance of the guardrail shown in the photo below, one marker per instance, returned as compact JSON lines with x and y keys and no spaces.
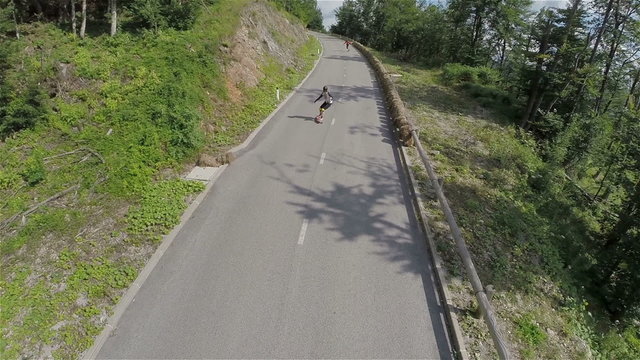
{"x":463,"y":251}
{"x":408,"y":135}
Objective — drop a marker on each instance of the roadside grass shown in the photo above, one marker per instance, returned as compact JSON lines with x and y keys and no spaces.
{"x":516,"y":219}
{"x":124,"y":120}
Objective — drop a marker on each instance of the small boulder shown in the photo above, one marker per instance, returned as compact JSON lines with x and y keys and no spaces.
{"x":206,"y":160}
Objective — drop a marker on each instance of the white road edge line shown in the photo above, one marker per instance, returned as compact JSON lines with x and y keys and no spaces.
{"x":303,"y":231}
{"x":130,"y":295}
{"x":322,"y":158}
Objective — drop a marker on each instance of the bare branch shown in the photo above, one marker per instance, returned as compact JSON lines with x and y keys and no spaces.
{"x":61,"y":155}
{"x":38,"y":205}
{"x":93,"y":152}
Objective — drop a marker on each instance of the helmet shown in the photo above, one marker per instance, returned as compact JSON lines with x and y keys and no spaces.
{"x":325,"y":88}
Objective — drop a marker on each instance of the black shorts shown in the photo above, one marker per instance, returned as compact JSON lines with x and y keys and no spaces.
{"x":325,"y":105}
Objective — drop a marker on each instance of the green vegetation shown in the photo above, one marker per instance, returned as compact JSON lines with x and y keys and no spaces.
{"x":162,"y":14}
{"x":305,"y":10}
{"x":95,"y":133}
{"x":533,"y":118}
{"x":160,"y":206}
{"x":462,"y":74}
{"x":519,"y":216}
{"x":529,"y":331}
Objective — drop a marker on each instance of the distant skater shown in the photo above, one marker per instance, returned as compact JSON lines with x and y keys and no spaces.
{"x":347,"y":43}
{"x":328,"y":100}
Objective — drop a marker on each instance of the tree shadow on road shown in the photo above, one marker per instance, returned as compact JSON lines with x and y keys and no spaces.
{"x":346,"y":58}
{"x":357,"y":211}
{"x":345,"y":93}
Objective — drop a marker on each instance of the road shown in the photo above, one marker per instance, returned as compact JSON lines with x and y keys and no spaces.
{"x":307,"y":245}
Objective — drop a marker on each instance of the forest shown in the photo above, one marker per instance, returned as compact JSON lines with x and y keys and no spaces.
{"x":82,"y":18}
{"x":138,"y":14}
{"x":569,"y":77}
{"x":103,"y":107}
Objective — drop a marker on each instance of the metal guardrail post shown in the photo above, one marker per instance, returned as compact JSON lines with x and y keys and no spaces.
{"x":483,"y":301}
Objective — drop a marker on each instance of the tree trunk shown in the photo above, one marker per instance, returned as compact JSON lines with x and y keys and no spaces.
{"x":533,"y":99}
{"x":601,"y":31}
{"x":477,"y":32}
{"x":568,"y":29}
{"x":503,"y":52}
{"x":38,"y":6}
{"x":604,"y":178}
{"x":114,"y":18}
{"x":636,"y":78}
{"x":73,"y":18}
{"x":15,"y":19}
{"x":575,"y":4}
{"x":626,"y":219}
{"x":609,"y":257}
{"x":83,"y":24}
{"x":535,"y":91}
{"x":62,"y":11}
{"x":616,"y":127}
{"x":618,"y":30}
{"x":594,"y":51}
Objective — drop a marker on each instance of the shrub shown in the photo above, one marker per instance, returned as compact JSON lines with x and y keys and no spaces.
{"x":34,"y":171}
{"x":487,"y":76}
{"x":181,"y":15}
{"x":529,"y":331}
{"x":19,"y":111}
{"x":460,"y":74}
{"x":621,"y":346}
{"x":158,"y":14}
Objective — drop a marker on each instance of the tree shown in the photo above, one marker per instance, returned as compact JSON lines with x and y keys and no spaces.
{"x":114,"y":17}
{"x":158,"y":14}
{"x":348,"y":21}
{"x":73,"y":17}
{"x":9,"y":17}
{"x":83,"y":24}
{"x":399,"y":27}
{"x":542,"y":35}
{"x":305,"y":10}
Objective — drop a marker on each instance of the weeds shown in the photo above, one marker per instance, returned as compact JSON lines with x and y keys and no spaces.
{"x":514,"y":213}
{"x":529,"y":331}
{"x":139,"y":101}
{"x":160,"y":206}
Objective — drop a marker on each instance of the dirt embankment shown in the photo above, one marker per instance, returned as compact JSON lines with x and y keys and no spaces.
{"x":263,"y":31}
{"x":264,"y":35}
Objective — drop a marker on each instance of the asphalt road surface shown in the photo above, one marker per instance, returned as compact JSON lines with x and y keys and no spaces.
{"x":306,"y":247}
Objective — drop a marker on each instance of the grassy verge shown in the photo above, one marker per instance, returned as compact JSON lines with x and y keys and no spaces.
{"x":120,"y":118}
{"x":516,"y":220}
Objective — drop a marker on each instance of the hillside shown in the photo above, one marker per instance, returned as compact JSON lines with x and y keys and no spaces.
{"x":90,"y":180}
{"x":515,"y":228}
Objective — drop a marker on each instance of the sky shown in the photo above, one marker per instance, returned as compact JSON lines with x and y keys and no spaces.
{"x":328,"y":8}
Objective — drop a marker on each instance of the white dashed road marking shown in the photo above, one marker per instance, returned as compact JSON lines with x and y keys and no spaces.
{"x":303,"y":231}
{"x":322,"y":158}
{"x":333,"y":121}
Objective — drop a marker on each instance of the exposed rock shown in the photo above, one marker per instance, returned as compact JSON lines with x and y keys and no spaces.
{"x":206,"y":160}
{"x":209,"y":128}
{"x":82,"y":300}
{"x":225,"y":158}
{"x":262,"y":32}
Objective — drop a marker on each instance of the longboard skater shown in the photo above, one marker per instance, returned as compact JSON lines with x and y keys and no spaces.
{"x":328,"y":100}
